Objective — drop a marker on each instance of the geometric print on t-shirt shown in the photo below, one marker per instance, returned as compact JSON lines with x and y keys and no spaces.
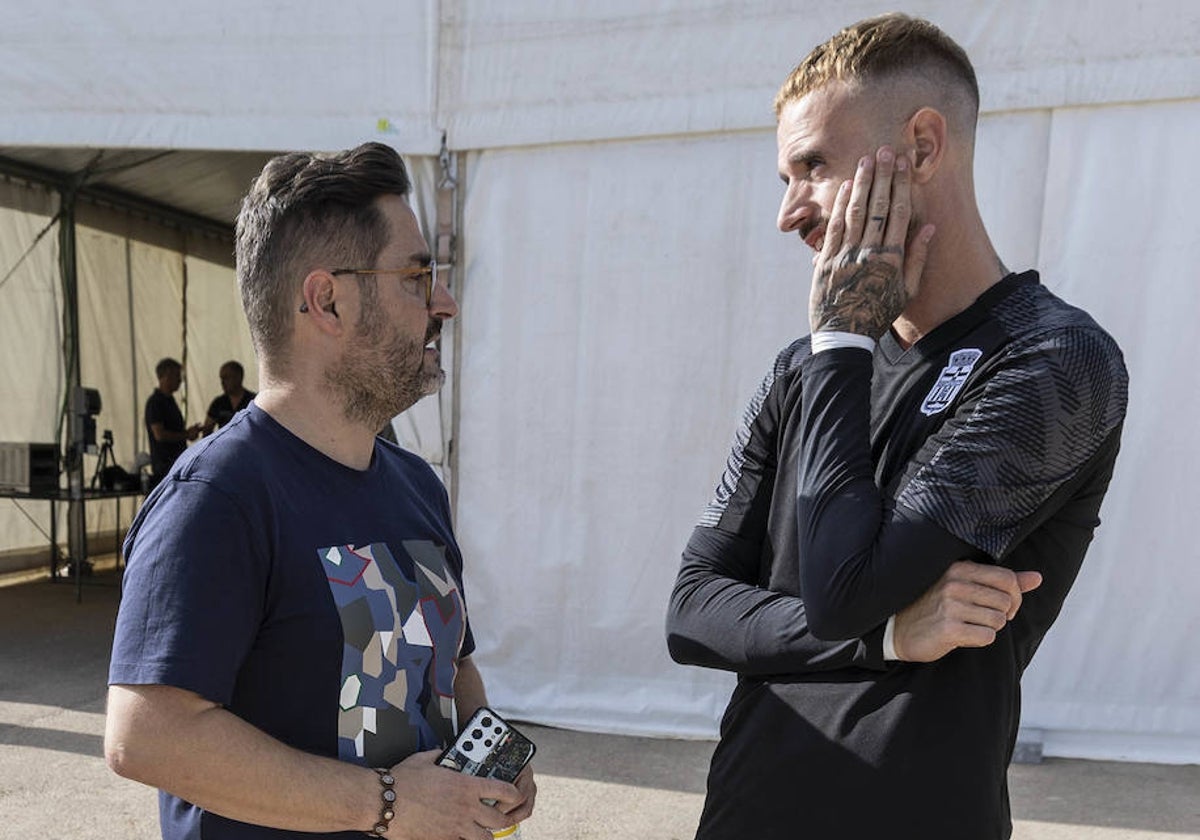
{"x":401,"y":637}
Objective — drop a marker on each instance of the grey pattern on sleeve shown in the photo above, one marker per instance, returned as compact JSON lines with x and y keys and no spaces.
{"x":1042,"y":409}
{"x":732,"y":479}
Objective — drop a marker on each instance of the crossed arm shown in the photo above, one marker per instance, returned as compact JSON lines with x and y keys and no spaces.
{"x":719,"y":618}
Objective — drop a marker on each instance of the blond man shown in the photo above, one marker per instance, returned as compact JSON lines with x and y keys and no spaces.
{"x":914,"y":485}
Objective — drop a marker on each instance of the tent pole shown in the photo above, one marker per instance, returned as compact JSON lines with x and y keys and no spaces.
{"x":135,"y":437}
{"x":449,"y":250}
{"x":184,"y":329}
{"x":76,"y":525}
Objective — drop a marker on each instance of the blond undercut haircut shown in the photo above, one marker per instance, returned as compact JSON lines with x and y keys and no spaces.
{"x":884,"y":49}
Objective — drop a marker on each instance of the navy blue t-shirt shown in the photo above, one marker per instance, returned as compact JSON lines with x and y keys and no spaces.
{"x":320,"y":603}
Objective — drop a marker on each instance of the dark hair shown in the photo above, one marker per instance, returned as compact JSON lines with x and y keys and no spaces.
{"x":308,"y":211}
{"x":165,"y":366}
{"x":879,"y":47}
{"x":235,"y":366}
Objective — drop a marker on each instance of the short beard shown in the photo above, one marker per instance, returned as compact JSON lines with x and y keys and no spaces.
{"x":382,"y":374}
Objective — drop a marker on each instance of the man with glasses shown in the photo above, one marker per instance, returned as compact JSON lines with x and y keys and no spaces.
{"x":292,"y":648}
{"x":914,"y":485}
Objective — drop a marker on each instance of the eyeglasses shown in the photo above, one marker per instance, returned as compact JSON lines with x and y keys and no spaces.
{"x":426,"y":273}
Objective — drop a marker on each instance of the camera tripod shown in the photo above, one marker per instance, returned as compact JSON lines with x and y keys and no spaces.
{"x":106,"y":459}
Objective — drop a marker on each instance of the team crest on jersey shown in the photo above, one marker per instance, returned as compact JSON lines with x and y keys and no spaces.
{"x":950,"y":381}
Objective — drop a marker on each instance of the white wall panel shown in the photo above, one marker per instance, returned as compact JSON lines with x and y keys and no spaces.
{"x":1010,"y":183}
{"x":217,"y":333}
{"x":31,"y":331}
{"x":105,"y":342}
{"x":218,"y":75}
{"x":158,"y":323}
{"x":225,"y":75}
{"x":1118,"y":241}
{"x":622,"y":302}
{"x":30,"y":337}
{"x":425,"y":427}
{"x":541,"y":72}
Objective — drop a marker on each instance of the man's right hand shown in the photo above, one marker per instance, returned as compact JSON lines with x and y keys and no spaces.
{"x":435,"y":803}
{"x":968,"y":605}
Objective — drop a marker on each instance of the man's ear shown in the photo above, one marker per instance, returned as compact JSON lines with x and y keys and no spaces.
{"x":926,"y":131}
{"x":320,"y":300}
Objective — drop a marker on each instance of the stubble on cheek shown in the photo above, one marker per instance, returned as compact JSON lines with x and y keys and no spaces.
{"x":381,"y":376}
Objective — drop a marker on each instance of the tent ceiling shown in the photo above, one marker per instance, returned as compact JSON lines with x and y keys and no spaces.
{"x":206,"y":186}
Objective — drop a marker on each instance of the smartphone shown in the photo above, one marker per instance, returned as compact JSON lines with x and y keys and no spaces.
{"x":488,"y":746}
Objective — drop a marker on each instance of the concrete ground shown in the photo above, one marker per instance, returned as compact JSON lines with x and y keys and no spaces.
{"x":53,"y":781}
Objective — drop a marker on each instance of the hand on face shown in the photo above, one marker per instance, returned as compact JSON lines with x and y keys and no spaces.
{"x":868,"y":268}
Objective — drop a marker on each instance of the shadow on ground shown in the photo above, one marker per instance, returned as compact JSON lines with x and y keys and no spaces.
{"x":617,"y":759}
{"x":53,"y":667}
{"x":55,"y":650}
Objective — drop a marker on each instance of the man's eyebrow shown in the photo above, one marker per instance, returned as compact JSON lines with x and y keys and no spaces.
{"x":806,"y":158}
{"x":422,"y":259}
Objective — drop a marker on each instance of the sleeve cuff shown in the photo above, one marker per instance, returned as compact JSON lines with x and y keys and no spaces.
{"x":889,"y":640}
{"x":830,"y":339}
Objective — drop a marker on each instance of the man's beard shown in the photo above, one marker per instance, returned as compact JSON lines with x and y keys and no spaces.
{"x":383,"y":373}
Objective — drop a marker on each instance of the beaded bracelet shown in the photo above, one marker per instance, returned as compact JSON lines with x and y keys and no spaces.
{"x":388,"y":808}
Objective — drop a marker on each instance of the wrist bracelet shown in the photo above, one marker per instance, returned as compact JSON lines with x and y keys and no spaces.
{"x":387,"y":809}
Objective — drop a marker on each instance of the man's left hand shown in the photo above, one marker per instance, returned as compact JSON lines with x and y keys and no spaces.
{"x":967,"y":607}
{"x":867,"y":270}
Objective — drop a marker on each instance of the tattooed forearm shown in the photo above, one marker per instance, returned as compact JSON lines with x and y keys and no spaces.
{"x":863,"y":293}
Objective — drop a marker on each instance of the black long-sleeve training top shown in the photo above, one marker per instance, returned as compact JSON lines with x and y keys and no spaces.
{"x":855,"y":480}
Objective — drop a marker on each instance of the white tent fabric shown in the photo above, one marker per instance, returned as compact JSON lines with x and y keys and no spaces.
{"x":1120,"y":674}
{"x":140,"y":292}
{"x":623,"y":288}
{"x":220,"y":74}
{"x":32,"y":378}
{"x":521,"y":73}
{"x":608,"y":323}
{"x":603,"y":368}
{"x":131,"y":314}
{"x":493,"y":73}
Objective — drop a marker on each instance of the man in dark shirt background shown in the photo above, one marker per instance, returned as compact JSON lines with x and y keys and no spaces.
{"x":165,"y":426}
{"x":232,"y":400}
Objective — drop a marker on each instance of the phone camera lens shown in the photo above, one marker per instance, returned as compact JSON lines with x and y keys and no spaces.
{"x":487,"y":721}
{"x":487,"y":743}
{"x":467,"y":747}
{"x":498,"y":730}
{"x":477,"y":733}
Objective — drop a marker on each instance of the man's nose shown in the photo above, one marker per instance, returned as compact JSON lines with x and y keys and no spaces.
{"x":442,"y":305}
{"x":795,"y":208}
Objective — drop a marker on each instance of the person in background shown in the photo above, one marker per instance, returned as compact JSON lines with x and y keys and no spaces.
{"x":165,"y":427}
{"x":232,"y":400}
